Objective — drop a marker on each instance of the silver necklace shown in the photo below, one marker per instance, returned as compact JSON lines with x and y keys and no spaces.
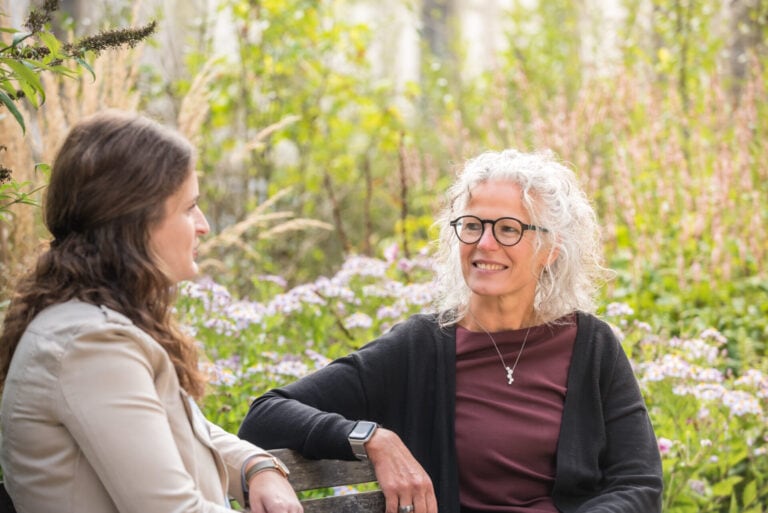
{"x":510,"y":370}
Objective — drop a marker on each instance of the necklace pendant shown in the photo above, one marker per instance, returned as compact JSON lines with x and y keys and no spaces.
{"x":510,"y":379}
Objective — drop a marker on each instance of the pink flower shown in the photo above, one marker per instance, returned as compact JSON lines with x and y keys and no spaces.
{"x":390,"y":252}
{"x":665,"y":444}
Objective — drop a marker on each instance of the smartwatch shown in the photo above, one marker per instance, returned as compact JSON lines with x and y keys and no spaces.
{"x":362,"y":432}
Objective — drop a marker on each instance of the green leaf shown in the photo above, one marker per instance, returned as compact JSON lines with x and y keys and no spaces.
{"x":53,"y":44}
{"x":28,"y":80}
{"x":65,"y":71}
{"x":6,"y":100}
{"x":8,"y":87}
{"x":43,"y":168}
{"x":87,"y":66}
{"x":736,"y":455}
{"x":35,"y":65}
{"x":734,"y":507}
{"x":29,"y":93}
{"x":725,"y":487}
{"x":750,"y":493}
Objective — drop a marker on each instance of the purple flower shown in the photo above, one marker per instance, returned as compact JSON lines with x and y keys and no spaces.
{"x":390,"y":252}
{"x":698,"y":486}
{"x":665,"y":445}
{"x":358,"y":320}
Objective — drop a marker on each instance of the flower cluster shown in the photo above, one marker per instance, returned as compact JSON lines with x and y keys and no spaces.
{"x":709,"y":416}
{"x":252,"y":345}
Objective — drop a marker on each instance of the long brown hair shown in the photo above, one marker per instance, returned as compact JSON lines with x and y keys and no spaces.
{"x":108,"y":187}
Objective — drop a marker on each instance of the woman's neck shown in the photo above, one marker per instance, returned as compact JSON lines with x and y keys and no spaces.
{"x":494,"y":316}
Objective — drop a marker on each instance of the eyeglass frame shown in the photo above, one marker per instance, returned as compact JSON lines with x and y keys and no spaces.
{"x":483,"y":222}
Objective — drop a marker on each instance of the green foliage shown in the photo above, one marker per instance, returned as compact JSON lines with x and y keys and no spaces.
{"x":37,"y":50}
{"x":653,"y":118}
{"x":33,"y":52}
{"x":12,"y":193}
{"x":341,"y":152}
{"x":709,"y":416}
{"x":254,"y":346}
{"x":668,"y":135}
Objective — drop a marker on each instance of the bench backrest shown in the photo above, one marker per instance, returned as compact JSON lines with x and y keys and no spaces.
{"x":310,"y":475}
{"x":313,"y":474}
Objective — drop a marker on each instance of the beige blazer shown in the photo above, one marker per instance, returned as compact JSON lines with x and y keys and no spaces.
{"x":93,"y":420}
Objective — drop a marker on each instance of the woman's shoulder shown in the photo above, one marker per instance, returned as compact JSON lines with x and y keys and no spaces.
{"x":64,"y":323}
{"x":421,"y":334}
{"x":595,"y":325}
{"x":410,"y":332}
{"x":76,"y":316}
{"x":420,"y":325}
{"x":70,"y":340}
{"x":596,"y":336}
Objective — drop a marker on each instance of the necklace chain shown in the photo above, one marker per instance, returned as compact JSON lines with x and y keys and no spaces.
{"x":510,"y":370}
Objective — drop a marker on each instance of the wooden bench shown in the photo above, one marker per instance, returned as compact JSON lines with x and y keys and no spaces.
{"x":317,"y":474}
{"x":310,"y":475}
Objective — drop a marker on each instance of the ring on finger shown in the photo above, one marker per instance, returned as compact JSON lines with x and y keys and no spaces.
{"x":408,"y":508}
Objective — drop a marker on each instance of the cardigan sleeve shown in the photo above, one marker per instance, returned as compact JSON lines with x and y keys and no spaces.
{"x":315,"y":414}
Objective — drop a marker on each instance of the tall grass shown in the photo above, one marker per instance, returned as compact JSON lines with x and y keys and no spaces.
{"x":676,"y":188}
{"x":67,"y":101}
{"x":680,"y":186}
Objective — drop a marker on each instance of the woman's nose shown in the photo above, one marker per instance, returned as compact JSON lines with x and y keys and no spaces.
{"x":202,"y":223}
{"x":487,"y":240}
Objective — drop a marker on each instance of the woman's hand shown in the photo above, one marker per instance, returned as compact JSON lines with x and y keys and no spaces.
{"x":270,"y":492}
{"x":402,"y":479}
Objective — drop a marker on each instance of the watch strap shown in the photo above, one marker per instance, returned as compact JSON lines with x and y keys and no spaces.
{"x":271,"y":463}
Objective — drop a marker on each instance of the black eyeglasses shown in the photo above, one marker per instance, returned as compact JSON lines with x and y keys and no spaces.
{"x":507,"y":231}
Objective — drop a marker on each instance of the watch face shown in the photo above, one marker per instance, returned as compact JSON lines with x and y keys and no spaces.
{"x":362,"y":430}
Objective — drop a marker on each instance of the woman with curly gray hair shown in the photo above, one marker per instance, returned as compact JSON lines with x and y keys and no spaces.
{"x":550,"y":196}
{"x":513,"y":397}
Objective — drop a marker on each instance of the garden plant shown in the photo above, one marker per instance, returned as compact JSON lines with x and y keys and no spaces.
{"x":320,"y":175}
{"x":710,"y":422}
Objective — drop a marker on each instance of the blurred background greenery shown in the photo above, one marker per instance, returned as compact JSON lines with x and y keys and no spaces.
{"x":329,"y":128}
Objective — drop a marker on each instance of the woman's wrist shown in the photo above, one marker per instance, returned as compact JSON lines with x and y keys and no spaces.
{"x":247,"y":464}
{"x":256,"y":464}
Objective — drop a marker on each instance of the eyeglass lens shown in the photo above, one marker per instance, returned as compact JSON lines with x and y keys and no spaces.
{"x":507,"y":230}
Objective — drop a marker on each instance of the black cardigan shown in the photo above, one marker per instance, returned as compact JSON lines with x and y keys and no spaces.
{"x":607,"y":455}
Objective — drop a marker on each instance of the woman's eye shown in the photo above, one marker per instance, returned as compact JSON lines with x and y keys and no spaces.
{"x":510,"y":230}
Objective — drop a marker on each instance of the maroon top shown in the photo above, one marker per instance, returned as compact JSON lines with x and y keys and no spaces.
{"x":506,"y":435}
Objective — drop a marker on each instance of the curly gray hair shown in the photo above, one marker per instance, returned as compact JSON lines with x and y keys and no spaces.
{"x":553,"y":199}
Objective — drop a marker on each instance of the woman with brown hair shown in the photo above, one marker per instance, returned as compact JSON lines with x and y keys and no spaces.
{"x":99,"y":384}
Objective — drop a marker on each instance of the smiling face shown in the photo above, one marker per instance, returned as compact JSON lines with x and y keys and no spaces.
{"x":173,"y":241}
{"x":500,"y":275}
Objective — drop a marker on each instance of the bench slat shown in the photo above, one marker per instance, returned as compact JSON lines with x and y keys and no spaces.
{"x":311,"y":474}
